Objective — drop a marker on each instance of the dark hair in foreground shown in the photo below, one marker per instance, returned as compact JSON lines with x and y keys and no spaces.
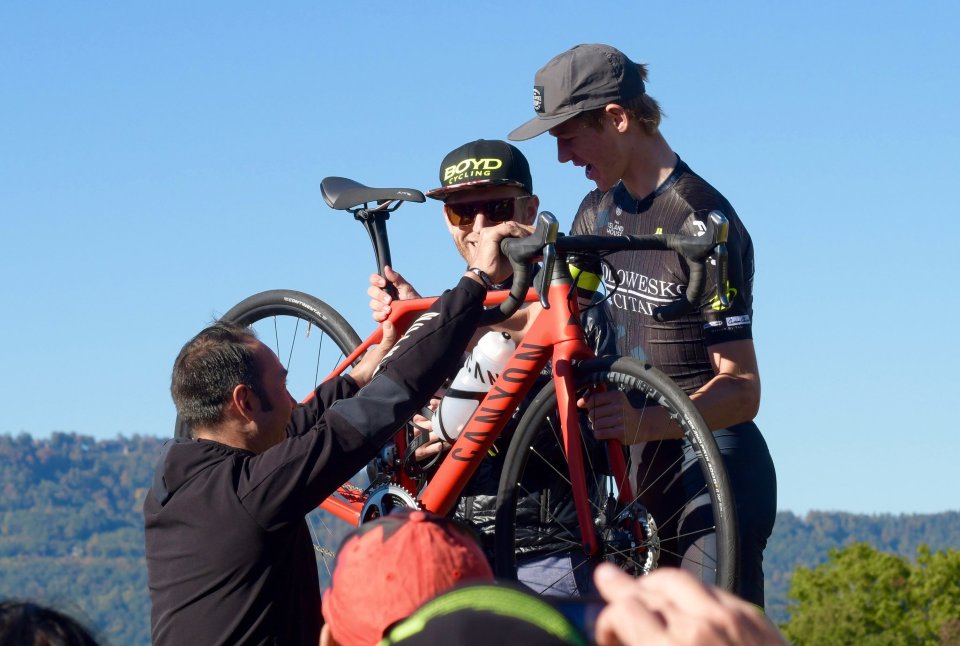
{"x":27,"y":624}
{"x":209,"y":367}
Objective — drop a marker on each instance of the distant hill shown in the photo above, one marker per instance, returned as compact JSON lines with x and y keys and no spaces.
{"x":805,"y":541}
{"x":71,"y":531}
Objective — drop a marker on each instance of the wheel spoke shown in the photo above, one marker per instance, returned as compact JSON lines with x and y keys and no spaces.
{"x":565,"y":479}
{"x":684,"y":505}
{"x":570,"y":573}
{"x":627,"y":556}
{"x":693,"y":533}
{"x":663,"y":473}
{"x":656,"y":451}
{"x":316,"y":374}
{"x":293,"y":343}
{"x":550,"y":517}
{"x":684,"y":558}
{"x":276,"y":335}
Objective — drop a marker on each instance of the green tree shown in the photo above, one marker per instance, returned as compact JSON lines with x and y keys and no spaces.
{"x":871,"y":598}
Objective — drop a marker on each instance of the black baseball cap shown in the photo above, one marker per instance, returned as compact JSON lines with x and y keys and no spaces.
{"x":480,"y":615}
{"x":484,"y":162}
{"x":580,"y":79}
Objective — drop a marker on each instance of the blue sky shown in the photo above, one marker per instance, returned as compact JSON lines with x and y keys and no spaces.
{"x":161,"y":161}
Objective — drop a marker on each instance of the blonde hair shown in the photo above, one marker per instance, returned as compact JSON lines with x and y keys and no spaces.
{"x":642,"y":108}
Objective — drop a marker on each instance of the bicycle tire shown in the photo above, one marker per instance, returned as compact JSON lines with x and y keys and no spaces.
{"x":657,"y":389}
{"x":290,"y":303}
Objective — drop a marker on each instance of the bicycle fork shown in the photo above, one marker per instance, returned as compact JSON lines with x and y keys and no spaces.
{"x":563,"y":377}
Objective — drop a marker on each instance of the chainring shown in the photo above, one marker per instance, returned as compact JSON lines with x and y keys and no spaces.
{"x":385,"y":499}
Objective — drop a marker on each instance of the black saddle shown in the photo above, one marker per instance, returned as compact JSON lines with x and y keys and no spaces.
{"x":341,"y":193}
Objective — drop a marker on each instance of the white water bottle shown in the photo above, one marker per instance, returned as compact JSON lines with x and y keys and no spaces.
{"x":471,"y":384}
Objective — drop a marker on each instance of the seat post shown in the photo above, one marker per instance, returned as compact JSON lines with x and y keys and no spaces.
{"x":375,"y":222}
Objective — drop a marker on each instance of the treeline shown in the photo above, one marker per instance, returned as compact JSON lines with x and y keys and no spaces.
{"x":807,"y":541}
{"x":71,"y":531}
{"x":71,"y":528}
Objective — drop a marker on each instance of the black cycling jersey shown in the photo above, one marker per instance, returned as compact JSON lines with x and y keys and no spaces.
{"x":647,"y":279}
{"x":679,"y":205}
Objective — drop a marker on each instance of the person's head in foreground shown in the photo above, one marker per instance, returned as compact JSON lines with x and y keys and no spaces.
{"x":389,"y":567}
{"x":486,"y":615}
{"x":593,"y":99}
{"x":28,"y":624}
{"x":666,"y":608}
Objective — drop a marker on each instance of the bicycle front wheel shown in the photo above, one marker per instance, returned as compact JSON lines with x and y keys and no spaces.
{"x":310,"y":339}
{"x":681,"y":513}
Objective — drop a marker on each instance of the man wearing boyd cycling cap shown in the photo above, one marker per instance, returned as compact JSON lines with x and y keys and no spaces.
{"x":593,"y":100}
{"x":483,"y":183}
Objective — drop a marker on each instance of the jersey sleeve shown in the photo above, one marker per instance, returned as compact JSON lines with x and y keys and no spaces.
{"x":306,"y":415}
{"x":285,"y":482}
{"x":736,"y":322}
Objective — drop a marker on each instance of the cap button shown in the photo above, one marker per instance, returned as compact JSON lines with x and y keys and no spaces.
{"x":418,"y":517}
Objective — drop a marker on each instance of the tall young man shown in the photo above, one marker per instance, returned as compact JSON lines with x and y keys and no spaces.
{"x":482,"y":184}
{"x":593,"y":100}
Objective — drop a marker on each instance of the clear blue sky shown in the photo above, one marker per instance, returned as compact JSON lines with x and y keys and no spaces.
{"x":161,"y":161}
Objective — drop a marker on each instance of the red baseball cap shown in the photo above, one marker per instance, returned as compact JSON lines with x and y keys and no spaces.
{"x":390,"y":567}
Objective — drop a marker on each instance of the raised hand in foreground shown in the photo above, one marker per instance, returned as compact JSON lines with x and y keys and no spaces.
{"x":670,"y":607}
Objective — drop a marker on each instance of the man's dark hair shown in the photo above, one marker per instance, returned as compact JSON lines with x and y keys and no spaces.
{"x":27,"y":624}
{"x":207,"y":370}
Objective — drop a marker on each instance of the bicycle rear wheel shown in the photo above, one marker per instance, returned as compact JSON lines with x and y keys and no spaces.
{"x":311,"y":339}
{"x":682,"y":512}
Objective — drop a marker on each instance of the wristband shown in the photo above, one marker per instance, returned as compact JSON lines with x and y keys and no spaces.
{"x":483,"y":276}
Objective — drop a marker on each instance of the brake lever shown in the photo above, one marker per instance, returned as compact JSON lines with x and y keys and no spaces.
{"x":721,"y":228}
{"x":546,"y":271}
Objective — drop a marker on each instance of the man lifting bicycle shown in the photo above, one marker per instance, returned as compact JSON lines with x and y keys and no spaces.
{"x":229,"y":555}
{"x":485,"y":183}
{"x":593,"y":100}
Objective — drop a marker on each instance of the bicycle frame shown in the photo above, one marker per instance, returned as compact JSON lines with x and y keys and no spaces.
{"x":555,"y":334}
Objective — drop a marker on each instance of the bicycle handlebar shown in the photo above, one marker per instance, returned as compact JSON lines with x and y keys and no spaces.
{"x":545,"y":241}
{"x":521,"y":252}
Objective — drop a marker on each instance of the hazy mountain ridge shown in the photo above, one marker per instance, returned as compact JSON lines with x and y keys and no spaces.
{"x":71,"y":530}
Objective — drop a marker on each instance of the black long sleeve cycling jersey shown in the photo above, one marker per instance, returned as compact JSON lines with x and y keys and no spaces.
{"x":681,"y":205}
{"x":229,"y":555}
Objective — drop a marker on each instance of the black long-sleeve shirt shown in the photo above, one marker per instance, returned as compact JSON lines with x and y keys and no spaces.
{"x":229,"y":555}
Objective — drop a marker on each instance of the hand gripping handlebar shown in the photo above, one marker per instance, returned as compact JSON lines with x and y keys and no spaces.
{"x":521,"y":253}
{"x":545,"y":242}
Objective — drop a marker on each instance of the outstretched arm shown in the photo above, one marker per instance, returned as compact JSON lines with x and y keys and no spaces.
{"x":283,"y":483}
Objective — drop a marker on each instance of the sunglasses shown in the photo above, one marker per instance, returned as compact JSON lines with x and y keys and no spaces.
{"x":463,"y":214}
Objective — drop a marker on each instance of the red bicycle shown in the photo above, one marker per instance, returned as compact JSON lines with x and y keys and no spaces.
{"x":552,"y":445}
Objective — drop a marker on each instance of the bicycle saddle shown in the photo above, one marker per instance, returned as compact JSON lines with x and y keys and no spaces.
{"x":341,"y":193}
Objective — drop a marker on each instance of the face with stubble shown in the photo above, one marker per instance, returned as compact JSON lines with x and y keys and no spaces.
{"x":469,"y":211}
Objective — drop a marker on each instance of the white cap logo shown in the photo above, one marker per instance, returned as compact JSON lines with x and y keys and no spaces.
{"x":538,"y":98}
